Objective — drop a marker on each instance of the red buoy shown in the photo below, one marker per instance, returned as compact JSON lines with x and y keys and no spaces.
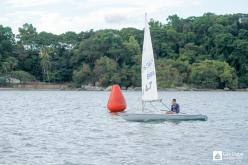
{"x":116,"y":102}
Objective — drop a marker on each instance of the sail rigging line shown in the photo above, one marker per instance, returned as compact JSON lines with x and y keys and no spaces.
{"x":153,"y":106}
{"x":169,"y":109}
{"x":138,"y":104}
{"x":165,"y":105}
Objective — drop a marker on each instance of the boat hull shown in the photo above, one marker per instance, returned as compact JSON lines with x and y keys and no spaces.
{"x":162,"y":117}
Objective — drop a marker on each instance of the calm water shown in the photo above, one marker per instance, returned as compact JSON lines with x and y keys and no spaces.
{"x":74,"y":127}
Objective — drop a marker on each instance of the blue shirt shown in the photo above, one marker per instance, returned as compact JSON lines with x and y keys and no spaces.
{"x":175,"y":108}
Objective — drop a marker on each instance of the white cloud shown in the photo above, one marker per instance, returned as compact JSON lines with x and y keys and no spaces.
{"x":58,"y":16}
{"x":100,"y":13}
{"x":115,"y":19}
{"x":30,"y":3}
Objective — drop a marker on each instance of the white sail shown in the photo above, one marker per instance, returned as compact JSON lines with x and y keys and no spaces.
{"x":149,"y":82}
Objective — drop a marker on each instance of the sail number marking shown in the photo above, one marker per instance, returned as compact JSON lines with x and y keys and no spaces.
{"x":149,"y":86}
{"x":148,"y":64}
{"x":150,"y":74}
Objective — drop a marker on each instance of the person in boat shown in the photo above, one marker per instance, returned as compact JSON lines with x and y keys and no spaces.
{"x":175,"y":108}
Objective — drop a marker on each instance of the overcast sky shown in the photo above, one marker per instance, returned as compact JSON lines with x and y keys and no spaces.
{"x":58,"y":16}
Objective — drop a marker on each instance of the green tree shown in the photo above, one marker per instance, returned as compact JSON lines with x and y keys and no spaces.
{"x":69,"y":38}
{"x":7,"y":42}
{"x":28,"y":36}
{"x":9,"y":64}
{"x":87,"y":51}
{"x":45,"y":39}
{"x":239,"y":60}
{"x":83,"y":75}
{"x":171,"y":73}
{"x":179,"y":45}
{"x":46,"y":64}
{"x":192,"y":52}
{"x":213,"y":74}
{"x":106,"y":71}
{"x":22,"y":76}
{"x":132,"y":50}
{"x":175,"y":22}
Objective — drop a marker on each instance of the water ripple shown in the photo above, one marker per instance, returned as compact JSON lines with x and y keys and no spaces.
{"x":74,"y":128}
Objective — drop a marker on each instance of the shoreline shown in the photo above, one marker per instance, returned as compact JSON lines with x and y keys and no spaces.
{"x":100,"y":89}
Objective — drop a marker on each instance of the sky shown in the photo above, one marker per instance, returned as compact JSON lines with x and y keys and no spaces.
{"x":59,"y":16}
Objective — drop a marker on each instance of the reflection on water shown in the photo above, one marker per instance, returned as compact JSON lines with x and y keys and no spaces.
{"x":62,"y":127}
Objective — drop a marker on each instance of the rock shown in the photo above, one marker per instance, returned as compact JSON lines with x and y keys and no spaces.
{"x":91,"y":88}
{"x":96,"y":84}
{"x":169,"y":89}
{"x":137,"y":88}
{"x":182,"y":88}
{"x":226,"y":89}
{"x":108,"y":88}
{"x":14,"y":81}
{"x":130,"y":89}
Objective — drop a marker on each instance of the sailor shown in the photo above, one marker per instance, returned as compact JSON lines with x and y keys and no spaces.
{"x":175,"y":109}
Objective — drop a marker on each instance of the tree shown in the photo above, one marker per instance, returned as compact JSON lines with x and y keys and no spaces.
{"x":192,"y":52}
{"x":7,"y":42}
{"x":46,"y":39}
{"x":69,"y":38}
{"x":9,"y":64}
{"x":175,"y":22}
{"x":28,"y":36}
{"x":239,"y":60}
{"x":171,"y":73}
{"x":112,"y":43}
{"x":106,"y":71}
{"x":83,"y":75}
{"x":132,"y":50}
{"x":126,"y":33}
{"x":213,"y":74}
{"x":45,"y":64}
{"x":22,"y":76}
{"x":181,"y":48}
{"x":87,"y":51}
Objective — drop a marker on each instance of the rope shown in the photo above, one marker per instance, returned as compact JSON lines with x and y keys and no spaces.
{"x":153,"y":106}
{"x":165,"y":105}
{"x":138,"y":104}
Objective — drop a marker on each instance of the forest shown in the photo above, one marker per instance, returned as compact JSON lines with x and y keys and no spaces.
{"x":208,"y":51}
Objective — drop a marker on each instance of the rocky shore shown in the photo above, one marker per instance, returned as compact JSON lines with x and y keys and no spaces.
{"x":68,"y":87}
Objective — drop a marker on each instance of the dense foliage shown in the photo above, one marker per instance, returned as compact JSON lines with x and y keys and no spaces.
{"x":208,"y":51}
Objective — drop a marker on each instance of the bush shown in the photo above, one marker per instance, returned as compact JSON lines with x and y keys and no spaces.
{"x":171,"y":73}
{"x":106,"y":71}
{"x":22,"y":76}
{"x":213,"y":74}
{"x":82,"y":75}
{"x":3,"y":81}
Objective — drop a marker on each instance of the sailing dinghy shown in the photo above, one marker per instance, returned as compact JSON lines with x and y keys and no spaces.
{"x":149,"y":88}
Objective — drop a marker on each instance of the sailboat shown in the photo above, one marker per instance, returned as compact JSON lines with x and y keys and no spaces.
{"x":149,"y":87}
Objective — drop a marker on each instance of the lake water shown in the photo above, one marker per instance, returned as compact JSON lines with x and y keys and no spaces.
{"x":74,"y":127}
